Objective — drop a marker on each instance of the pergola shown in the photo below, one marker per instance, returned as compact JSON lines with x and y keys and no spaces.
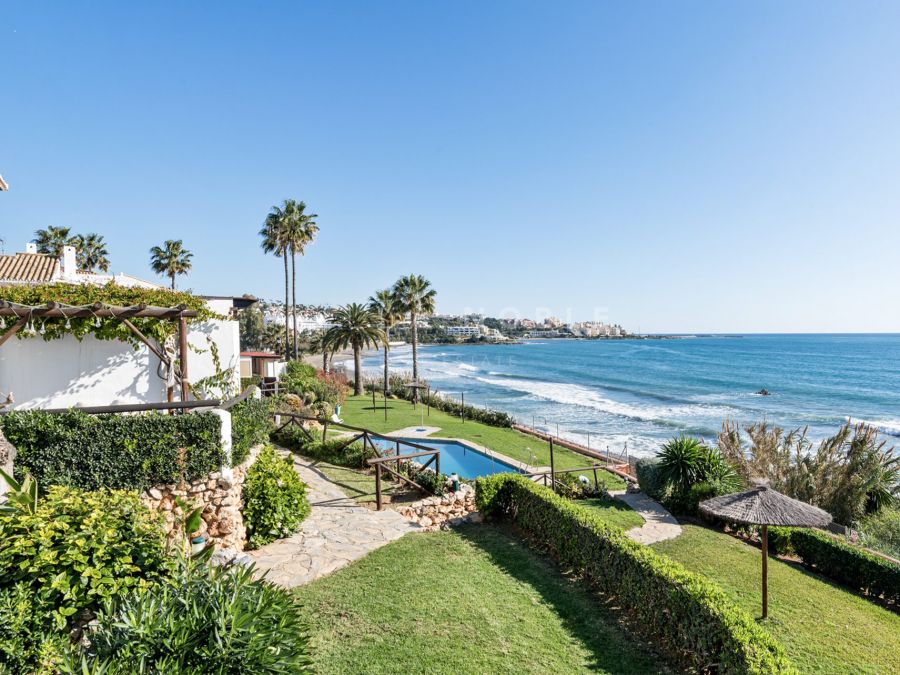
{"x":25,"y":314}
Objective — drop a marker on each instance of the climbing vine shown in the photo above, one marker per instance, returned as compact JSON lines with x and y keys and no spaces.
{"x":77,"y":295}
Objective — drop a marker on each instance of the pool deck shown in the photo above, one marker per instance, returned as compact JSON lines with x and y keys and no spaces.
{"x":424,"y":433}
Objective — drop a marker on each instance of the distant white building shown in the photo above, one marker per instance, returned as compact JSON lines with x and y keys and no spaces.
{"x":71,"y":373}
{"x":463,"y":331}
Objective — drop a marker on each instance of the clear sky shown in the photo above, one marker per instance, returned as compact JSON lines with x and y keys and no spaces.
{"x":672,"y":166}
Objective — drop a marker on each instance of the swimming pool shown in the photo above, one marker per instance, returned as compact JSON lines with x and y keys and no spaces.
{"x":456,"y":457}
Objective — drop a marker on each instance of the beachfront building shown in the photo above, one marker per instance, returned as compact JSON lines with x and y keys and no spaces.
{"x":89,"y":372}
{"x":463,"y":332}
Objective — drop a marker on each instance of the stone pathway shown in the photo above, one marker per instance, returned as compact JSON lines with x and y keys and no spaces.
{"x":659,"y":524}
{"x":336,"y":532}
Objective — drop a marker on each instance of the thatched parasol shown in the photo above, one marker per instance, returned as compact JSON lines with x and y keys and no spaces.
{"x":764,"y":506}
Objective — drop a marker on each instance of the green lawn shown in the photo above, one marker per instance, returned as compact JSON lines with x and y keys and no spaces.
{"x":471,"y":600}
{"x":612,"y":512}
{"x":824,"y":628}
{"x":358,"y":411}
{"x":360,"y":485}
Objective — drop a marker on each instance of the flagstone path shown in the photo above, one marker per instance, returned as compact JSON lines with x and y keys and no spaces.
{"x":336,"y":532}
{"x":659,"y":524}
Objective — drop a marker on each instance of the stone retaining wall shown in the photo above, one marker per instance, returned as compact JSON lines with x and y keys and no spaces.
{"x":452,"y":508}
{"x":221,"y":497}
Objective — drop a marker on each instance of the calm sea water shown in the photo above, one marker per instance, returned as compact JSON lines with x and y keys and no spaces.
{"x":643,"y":392}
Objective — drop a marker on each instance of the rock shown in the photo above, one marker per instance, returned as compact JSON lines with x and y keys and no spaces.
{"x":154,"y":493}
{"x":476,"y":517}
{"x":225,"y":484}
{"x":425,"y":521}
{"x":226,"y":526}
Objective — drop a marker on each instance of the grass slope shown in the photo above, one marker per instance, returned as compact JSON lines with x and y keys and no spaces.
{"x":612,"y":512}
{"x":823,"y":628}
{"x":358,"y":411}
{"x":471,"y":600}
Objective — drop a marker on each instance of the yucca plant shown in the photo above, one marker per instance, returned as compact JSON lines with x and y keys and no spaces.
{"x":681,"y":463}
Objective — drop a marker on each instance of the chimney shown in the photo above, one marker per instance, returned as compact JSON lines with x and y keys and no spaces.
{"x":30,"y":247}
{"x":69,"y":267}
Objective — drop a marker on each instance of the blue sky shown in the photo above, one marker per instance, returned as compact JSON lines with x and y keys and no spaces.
{"x":728,"y":167}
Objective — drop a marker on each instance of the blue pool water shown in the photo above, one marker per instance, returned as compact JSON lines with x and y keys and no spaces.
{"x":455,"y":457}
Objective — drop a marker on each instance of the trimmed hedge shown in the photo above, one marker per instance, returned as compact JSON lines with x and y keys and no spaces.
{"x":129,"y":452}
{"x":846,"y":564}
{"x":251,"y":422}
{"x":690,"y":614}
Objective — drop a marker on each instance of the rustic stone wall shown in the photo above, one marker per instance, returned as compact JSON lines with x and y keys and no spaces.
{"x":452,"y":508}
{"x":221,"y":497}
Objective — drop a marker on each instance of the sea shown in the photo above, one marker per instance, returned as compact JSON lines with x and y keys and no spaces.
{"x":634,"y":394}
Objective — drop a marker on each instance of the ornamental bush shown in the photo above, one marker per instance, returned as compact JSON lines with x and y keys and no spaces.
{"x":131,"y":452}
{"x":274,"y":499}
{"x":79,"y":549}
{"x":649,"y":478}
{"x":847,"y":564}
{"x":205,"y":620}
{"x":251,"y":422}
{"x":28,"y":643}
{"x":691,"y":615}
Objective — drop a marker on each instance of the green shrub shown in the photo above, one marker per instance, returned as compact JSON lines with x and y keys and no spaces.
{"x":687,"y":612}
{"x":847,"y":564}
{"x":687,"y":472}
{"x":319,"y":392}
{"x":27,"y":641}
{"x":649,"y":478}
{"x":353,"y":456}
{"x":207,"y":620}
{"x":81,"y":548}
{"x":251,"y":422}
{"x":131,"y":452}
{"x":274,"y":499}
{"x":253,"y":381}
{"x":780,"y":540}
{"x":881,"y":531}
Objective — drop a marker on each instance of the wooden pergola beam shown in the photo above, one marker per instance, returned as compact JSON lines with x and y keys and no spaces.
{"x":53,"y":310}
{"x":15,"y":328}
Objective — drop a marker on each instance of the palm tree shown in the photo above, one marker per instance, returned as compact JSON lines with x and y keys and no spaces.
{"x":91,"y":252}
{"x":300,"y":230}
{"x":415,"y":296}
{"x":387,"y":307}
{"x":52,"y":240}
{"x":355,"y":326}
{"x":171,"y":260}
{"x":274,"y":240}
{"x":321,"y":342}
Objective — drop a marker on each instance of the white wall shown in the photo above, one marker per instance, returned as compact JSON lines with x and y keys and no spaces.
{"x":66,"y":373}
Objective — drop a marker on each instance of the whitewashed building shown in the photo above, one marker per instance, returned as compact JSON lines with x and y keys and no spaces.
{"x":71,"y":373}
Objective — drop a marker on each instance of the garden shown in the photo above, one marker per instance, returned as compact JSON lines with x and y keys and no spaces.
{"x":94,"y":581}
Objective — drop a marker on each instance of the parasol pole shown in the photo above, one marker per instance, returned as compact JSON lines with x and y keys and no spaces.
{"x":765,"y":571}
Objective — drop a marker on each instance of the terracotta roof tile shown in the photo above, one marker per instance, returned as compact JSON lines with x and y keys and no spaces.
{"x":27,"y":267}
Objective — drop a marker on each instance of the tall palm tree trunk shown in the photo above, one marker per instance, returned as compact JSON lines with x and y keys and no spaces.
{"x":287,"y":324}
{"x":415,"y":341}
{"x":387,"y":339}
{"x":324,"y":360}
{"x":294,"y":283}
{"x":357,"y":370}
{"x":172,"y":277}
